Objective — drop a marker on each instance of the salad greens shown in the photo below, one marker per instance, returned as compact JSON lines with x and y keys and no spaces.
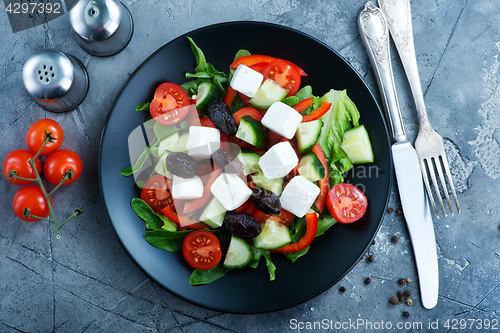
{"x":162,"y":232}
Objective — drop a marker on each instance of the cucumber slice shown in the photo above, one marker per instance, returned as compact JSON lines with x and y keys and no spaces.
{"x":250,"y":161}
{"x":213,"y":214}
{"x":252,"y":131}
{"x":310,"y":167}
{"x":273,"y":236}
{"x":174,"y":143}
{"x":307,"y":134}
{"x":206,"y":92}
{"x":268,"y":93}
{"x":239,"y":254}
{"x":357,"y":146}
{"x":274,"y":185}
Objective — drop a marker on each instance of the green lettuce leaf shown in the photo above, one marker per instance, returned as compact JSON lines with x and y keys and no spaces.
{"x":342,"y":116}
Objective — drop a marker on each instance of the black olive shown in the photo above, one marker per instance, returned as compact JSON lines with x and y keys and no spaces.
{"x":181,"y":165}
{"x":219,"y":113}
{"x":266,"y":201}
{"x":227,"y":161}
{"x":242,"y":225}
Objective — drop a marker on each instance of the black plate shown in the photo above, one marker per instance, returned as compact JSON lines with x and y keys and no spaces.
{"x":245,"y":291}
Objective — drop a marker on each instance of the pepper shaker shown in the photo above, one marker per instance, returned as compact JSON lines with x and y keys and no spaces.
{"x":101,"y":27}
{"x":58,"y":81}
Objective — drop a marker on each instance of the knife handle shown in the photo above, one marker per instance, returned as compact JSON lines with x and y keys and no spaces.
{"x":398,"y":16}
{"x":375,"y":35}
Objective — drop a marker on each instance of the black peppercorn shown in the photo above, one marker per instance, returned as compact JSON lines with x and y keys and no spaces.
{"x":390,"y":210}
{"x":407,"y":293}
{"x":399,"y":211}
{"x":394,"y":239}
{"x":368,"y":280}
{"x":406,"y":314}
{"x":402,"y":282}
{"x":394,"y":300}
{"x":342,"y":289}
{"x":374,"y":242}
{"x":400,"y":293}
{"x":371,"y":258}
{"x":401,"y":298}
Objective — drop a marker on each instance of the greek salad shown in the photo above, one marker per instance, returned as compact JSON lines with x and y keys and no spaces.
{"x":247,"y":163}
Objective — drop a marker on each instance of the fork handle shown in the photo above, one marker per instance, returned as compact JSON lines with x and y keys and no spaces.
{"x":398,"y":16}
{"x":375,"y":35}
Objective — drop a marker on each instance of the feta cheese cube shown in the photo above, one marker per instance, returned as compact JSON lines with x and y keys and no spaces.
{"x":282,"y":119}
{"x":299,"y":195}
{"x":246,"y":80}
{"x":230,"y":190}
{"x":279,"y":160}
{"x":187,"y":188}
{"x":202,"y":141}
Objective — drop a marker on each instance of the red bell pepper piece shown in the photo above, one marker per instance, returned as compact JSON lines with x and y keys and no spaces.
{"x":324,"y":184}
{"x":303,"y":104}
{"x":306,"y":240}
{"x":182,"y":221}
{"x":230,"y":95}
{"x":318,"y":113}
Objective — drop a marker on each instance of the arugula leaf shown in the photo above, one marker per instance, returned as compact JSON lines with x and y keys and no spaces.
{"x":191,"y":87}
{"x":304,"y":93}
{"x":206,"y":276}
{"x":144,"y":211}
{"x":242,"y":53}
{"x":142,"y":107}
{"x":170,"y":241}
{"x":201,"y":63}
{"x":162,"y":131}
{"x":257,"y":254}
{"x":270,"y":266}
{"x":138,"y":163}
{"x":290,"y":100}
{"x":324,"y":223}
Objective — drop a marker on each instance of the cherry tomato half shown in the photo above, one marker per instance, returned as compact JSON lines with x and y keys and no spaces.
{"x":18,"y":160}
{"x":156,"y":193}
{"x":58,"y":163}
{"x":35,"y":136}
{"x":30,"y":197}
{"x":170,"y":104}
{"x":284,"y":75}
{"x":346,"y":203}
{"x":284,"y":217}
{"x":202,"y":249}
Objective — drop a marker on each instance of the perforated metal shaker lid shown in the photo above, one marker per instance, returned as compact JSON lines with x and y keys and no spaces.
{"x":48,"y":74}
{"x":96,"y":20}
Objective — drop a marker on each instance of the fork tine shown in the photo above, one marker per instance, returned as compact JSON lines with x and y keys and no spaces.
{"x":432,"y":172}
{"x":439,"y":168}
{"x":450,"y":180}
{"x":427,"y":186}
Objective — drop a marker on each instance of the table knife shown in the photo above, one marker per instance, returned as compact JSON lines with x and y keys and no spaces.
{"x":375,"y":35}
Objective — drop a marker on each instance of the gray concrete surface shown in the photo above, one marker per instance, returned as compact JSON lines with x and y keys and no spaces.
{"x":85,"y":282}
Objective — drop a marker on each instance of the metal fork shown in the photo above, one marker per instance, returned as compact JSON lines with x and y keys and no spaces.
{"x":429,"y":144}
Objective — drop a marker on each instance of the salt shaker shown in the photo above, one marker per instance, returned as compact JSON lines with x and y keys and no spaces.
{"x":57,"y":81}
{"x":101,"y":27}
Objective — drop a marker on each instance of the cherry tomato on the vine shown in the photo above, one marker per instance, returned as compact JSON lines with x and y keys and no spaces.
{"x":30,"y":197}
{"x":18,"y":160}
{"x":58,"y":163}
{"x":156,"y":193}
{"x":35,"y":136}
{"x":170,"y":104}
{"x":346,"y":203}
{"x":202,"y":249}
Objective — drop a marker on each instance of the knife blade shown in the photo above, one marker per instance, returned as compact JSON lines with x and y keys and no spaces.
{"x":375,"y":35}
